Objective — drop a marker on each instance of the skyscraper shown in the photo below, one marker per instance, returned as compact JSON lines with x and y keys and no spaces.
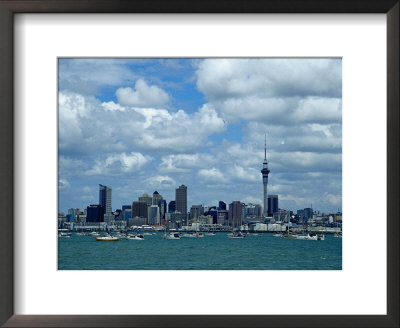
{"x":139,"y":209}
{"x":105,"y":198}
{"x":272,"y":204}
{"x":146,"y":198}
{"x":265,"y":172}
{"x":171,"y":206}
{"x":156,"y":198}
{"x":181,"y":201}
{"x":235,"y":214}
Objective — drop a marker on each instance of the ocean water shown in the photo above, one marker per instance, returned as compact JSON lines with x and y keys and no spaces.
{"x":255,"y":252}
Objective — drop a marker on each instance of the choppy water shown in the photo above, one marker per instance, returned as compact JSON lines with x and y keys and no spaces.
{"x":261,"y":252}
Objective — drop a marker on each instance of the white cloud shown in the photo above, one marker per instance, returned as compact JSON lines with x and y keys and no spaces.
{"x":160,"y":181}
{"x":119,"y":164}
{"x":276,"y":91}
{"x":63,"y":184}
{"x":90,"y":127}
{"x":212,"y":174}
{"x":143,"y":95}
{"x":185,"y":162}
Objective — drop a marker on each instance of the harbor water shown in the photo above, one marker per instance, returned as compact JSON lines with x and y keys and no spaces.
{"x":255,"y":252}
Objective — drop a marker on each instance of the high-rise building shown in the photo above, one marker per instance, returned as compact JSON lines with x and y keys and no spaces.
{"x":181,"y":201}
{"x":154,"y":215}
{"x":235,"y":214}
{"x":272,"y":204}
{"x":94,"y":213}
{"x":265,"y":172}
{"x":162,"y":204}
{"x":139,"y":209}
{"x":156,"y":198}
{"x":105,"y":198}
{"x":171,"y":206}
{"x":146,"y":198}
{"x":221,"y":205}
{"x":196,"y":211}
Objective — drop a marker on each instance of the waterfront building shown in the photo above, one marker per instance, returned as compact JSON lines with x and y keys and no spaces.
{"x":171,"y":206}
{"x":177,"y":218}
{"x":139,"y":209}
{"x":222,"y":217}
{"x":136,"y":221}
{"x":94,"y":213}
{"x":221,"y":205}
{"x":181,"y":201}
{"x":214,"y":214}
{"x":196,"y":211}
{"x":272,"y":204}
{"x":105,"y":200}
{"x":235,"y":213}
{"x":265,"y":171}
{"x":153,"y":215}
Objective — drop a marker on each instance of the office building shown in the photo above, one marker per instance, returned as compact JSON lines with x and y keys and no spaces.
{"x":272,"y":204}
{"x":235,"y":214}
{"x":154,"y":215}
{"x":94,"y":213}
{"x":146,"y":198}
{"x":196,"y":211}
{"x":171,"y":206}
{"x":139,"y":209}
{"x":105,"y":198}
{"x":156,"y":198}
{"x":181,"y":201}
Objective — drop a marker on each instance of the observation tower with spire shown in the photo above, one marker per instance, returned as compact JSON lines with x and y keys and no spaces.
{"x":265,"y":172}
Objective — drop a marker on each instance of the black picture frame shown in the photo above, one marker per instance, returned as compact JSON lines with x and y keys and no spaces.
{"x":10,"y":7}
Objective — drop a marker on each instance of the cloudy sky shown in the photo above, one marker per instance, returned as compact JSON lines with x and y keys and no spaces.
{"x":140,"y":125}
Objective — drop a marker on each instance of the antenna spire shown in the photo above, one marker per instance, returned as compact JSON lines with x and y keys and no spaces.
{"x":265,"y":148}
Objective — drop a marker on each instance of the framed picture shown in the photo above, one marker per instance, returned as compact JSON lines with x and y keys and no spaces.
{"x":65,"y":122}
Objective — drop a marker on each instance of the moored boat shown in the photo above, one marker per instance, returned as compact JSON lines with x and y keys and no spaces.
{"x":135,"y":237}
{"x":107,"y":238}
{"x":172,"y":236}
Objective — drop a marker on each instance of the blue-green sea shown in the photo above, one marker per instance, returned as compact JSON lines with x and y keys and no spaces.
{"x":255,"y":252}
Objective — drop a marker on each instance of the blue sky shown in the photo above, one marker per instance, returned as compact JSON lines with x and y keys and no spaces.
{"x":140,"y":125}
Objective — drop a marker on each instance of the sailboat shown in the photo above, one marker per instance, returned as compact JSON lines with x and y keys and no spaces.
{"x":235,"y":234}
{"x":107,"y":237}
{"x":211,"y":233}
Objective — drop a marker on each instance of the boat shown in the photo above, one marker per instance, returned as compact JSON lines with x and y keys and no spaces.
{"x":310,"y":237}
{"x":64,"y":234}
{"x":189,"y":235}
{"x":211,"y":233}
{"x":278,"y":235}
{"x":172,"y":236}
{"x":107,"y":238}
{"x":135,"y":237}
{"x":81,"y":234}
{"x":199,"y":234}
{"x":95,"y":234}
{"x":337,"y":234}
{"x":236,"y":235}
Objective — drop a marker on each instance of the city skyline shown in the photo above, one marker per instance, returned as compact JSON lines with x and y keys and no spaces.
{"x":154,"y":124}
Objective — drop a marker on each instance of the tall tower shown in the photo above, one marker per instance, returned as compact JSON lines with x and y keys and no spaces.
{"x":181,"y":201}
{"x":265,"y":172}
{"x":105,"y":198}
